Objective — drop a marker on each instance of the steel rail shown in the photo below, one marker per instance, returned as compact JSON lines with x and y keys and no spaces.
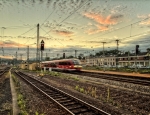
{"x":69,"y":103}
{"x":3,"y":71}
{"x":130,"y":79}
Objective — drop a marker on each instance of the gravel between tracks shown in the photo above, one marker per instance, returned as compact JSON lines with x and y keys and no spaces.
{"x":114,"y":99}
{"x":37,"y":103}
{"x":5,"y":95}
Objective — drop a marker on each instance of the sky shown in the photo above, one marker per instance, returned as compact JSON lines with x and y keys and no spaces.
{"x":69,"y":25}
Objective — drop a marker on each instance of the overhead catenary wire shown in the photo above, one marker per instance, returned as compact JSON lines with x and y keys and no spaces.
{"x":32,"y":35}
{"x":130,"y":35}
{"x":121,"y":28}
{"x":66,"y":19}
{"x":27,"y":31}
{"x":17,"y":27}
{"x":68,"y":16}
{"x":55,"y":39}
{"x":48,"y":17}
{"x":24,"y":33}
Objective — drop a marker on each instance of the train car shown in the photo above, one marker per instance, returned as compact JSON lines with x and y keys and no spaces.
{"x":63,"y":65}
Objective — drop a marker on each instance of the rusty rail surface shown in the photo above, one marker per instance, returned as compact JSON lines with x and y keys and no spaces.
{"x":69,"y":103}
{"x":127,"y":79}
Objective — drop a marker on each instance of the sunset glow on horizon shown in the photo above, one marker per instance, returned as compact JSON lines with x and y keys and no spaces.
{"x":68,"y":25}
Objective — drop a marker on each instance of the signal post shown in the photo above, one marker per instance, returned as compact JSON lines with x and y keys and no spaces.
{"x":42,"y":49}
{"x":136,"y":53}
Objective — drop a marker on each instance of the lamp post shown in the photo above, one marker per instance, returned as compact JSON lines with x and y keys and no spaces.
{"x":103,"y":57}
{"x":136,"y":53}
{"x":149,"y":58}
{"x":28,"y":49}
{"x":128,"y":58}
{"x":13,"y":60}
{"x":3,"y":28}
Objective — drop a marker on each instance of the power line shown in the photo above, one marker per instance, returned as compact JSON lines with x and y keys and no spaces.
{"x":103,"y":57}
{"x":55,"y":39}
{"x":68,"y":16}
{"x":27,"y":31}
{"x":128,"y":37}
{"x":17,"y":27}
{"x":48,"y":17}
{"x":28,"y":38}
{"x":121,"y":27}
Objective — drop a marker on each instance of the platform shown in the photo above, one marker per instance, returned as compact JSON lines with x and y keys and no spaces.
{"x":119,"y":73}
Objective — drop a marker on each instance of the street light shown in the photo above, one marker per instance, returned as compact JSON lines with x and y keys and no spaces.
{"x":103,"y":57}
{"x":28,"y":53}
{"x":2,"y":40}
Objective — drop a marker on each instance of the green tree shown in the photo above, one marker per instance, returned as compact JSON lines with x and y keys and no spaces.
{"x":47,"y":58}
{"x":70,"y":56}
{"x":148,"y":49}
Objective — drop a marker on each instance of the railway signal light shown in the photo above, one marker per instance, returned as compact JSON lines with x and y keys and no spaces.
{"x":137,"y":49}
{"x":42,"y":45}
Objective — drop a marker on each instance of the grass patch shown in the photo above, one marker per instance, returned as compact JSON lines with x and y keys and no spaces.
{"x":20,"y":98}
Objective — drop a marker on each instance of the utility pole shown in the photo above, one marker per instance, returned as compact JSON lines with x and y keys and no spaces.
{"x":128,"y":58}
{"x":136,"y":53}
{"x":149,"y":58}
{"x":28,"y":56}
{"x":16,"y":57}
{"x":21,"y":56}
{"x":117,"y":54}
{"x":3,"y":50}
{"x":75,"y":53}
{"x":3,"y":28}
{"x":49,"y":52}
{"x":57,"y":56}
{"x":37,"y":53}
{"x":103,"y":57}
{"x":46,"y":56}
{"x":41,"y":56}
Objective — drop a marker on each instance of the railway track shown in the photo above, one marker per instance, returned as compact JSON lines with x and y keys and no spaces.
{"x":69,"y":103}
{"x":129,"y":79}
{"x":3,"y":71}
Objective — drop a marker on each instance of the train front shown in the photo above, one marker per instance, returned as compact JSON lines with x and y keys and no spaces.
{"x":77,"y":64}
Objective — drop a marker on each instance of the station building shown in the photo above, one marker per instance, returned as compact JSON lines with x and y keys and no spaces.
{"x":28,"y":66}
{"x":123,"y":60}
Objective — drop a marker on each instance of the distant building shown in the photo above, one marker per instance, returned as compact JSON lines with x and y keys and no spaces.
{"x":100,"y":61}
{"x":123,"y":60}
{"x":129,"y":60}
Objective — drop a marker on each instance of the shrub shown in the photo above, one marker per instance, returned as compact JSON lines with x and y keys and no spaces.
{"x":77,"y":87}
{"x":81,"y":90}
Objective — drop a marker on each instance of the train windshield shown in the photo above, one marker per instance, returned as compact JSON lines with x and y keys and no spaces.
{"x":76,"y":62}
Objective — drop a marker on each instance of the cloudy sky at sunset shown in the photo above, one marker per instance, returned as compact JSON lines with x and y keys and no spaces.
{"x":68,"y":25}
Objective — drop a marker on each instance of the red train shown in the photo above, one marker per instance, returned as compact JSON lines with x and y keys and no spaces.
{"x":62,"y":65}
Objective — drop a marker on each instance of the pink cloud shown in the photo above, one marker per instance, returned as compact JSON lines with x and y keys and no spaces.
{"x":103,"y":21}
{"x":145,"y":23}
{"x":9,"y":43}
{"x":100,"y":28}
{"x":64,"y":33}
{"x":108,"y":20}
{"x":92,"y":31}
